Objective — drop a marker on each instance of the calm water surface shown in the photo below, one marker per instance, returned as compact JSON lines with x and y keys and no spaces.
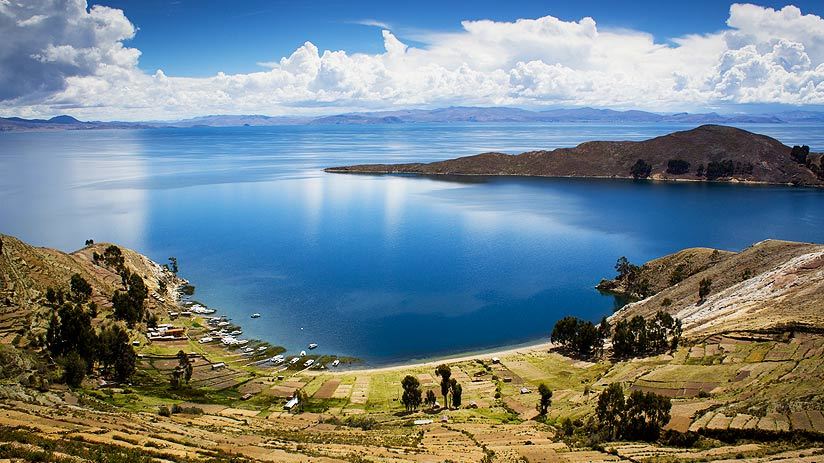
{"x":386,"y":268}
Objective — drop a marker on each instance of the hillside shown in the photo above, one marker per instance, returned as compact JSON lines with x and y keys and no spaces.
{"x":772,"y":285}
{"x":744,"y":385}
{"x":715,"y":152}
{"x":27,"y":272}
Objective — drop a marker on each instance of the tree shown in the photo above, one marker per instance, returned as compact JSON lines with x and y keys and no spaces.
{"x":545,"y":399}
{"x":641,"y":169}
{"x":700,"y":171}
{"x":430,"y":398}
{"x":71,"y":330}
{"x":645,"y":414}
{"x":564,"y":331}
{"x":89,"y":242}
{"x":81,"y":290}
{"x":182,"y":372}
{"x":113,"y":257}
{"x":677,"y":166}
{"x":116,"y":354}
{"x":610,"y":410}
{"x":704,"y":288}
{"x":129,"y":305}
{"x":445,"y":373}
{"x":623,"y":267}
{"x":586,"y":338}
{"x":412,"y":394}
{"x":800,"y":153}
{"x":74,"y":369}
{"x":457,"y":392}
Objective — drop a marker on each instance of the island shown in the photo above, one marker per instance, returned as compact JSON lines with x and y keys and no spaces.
{"x":708,"y":153}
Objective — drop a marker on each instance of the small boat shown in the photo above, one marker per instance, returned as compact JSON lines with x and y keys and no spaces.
{"x":236,"y":332}
{"x":303,"y":353}
{"x":313,"y":346}
{"x":255,"y":315}
{"x":336,"y":363}
{"x":308,"y":363}
{"x":247,"y":349}
{"x":262,"y":348}
{"x":294,"y":360}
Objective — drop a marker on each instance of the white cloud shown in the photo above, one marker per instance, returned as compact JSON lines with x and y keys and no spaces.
{"x":65,"y":58}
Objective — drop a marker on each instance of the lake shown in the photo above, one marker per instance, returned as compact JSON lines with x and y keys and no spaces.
{"x":385,"y":268}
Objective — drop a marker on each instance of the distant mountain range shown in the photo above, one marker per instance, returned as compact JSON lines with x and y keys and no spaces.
{"x":442,"y":115}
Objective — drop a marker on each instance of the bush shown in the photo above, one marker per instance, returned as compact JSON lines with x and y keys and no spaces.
{"x":164,"y":411}
{"x":677,"y":166}
{"x":74,"y":369}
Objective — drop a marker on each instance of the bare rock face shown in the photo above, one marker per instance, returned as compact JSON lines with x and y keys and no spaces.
{"x":705,"y":153}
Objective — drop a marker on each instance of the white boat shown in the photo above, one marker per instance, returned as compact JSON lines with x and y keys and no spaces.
{"x":247,"y":349}
{"x":308,"y":363}
{"x":278,"y":359}
{"x":255,"y":315}
{"x":313,"y":345}
{"x":303,"y":353}
{"x":336,"y":363}
{"x":205,"y":340}
{"x":262,"y":348}
{"x":236,"y":332}
{"x":294,"y":360}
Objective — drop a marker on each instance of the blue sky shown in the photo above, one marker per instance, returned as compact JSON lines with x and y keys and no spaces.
{"x":151,"y":59}
{"x":203,"y":37}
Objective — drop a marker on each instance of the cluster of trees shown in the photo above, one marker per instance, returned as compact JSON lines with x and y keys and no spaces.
{"x":640,"y":337}
{"x":641,"y":169}
{"x":71,"y":338}
{"x":413,"y":396}
{"x":638,"y":417}
{"x":629,"y":275}
{"x":129,"y":305}
{"x":726,"y":168}
{"x":450,"y":387}
{"x":182,"y":373}
{"x":581,"y":337}
{"x":677,"y":166}
{"x":801,"y":155}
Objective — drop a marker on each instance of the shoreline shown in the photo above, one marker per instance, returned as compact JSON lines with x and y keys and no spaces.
{"x":534,"y":346}
{"x":345,"y":170}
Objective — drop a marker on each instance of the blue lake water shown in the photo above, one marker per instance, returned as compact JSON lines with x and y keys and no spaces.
{"x":386,"y":268}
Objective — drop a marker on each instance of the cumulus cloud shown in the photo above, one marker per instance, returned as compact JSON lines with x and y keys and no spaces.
{"x":45,"y":42}
{"x":64,"y":56}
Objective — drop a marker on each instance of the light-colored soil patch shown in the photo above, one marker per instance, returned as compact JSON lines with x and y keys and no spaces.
{"x":360,"y":390}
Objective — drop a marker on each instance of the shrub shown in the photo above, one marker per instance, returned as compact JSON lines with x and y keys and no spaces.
{"x":800,"y":153}
{"x":164,"y":411}
{"x":74,"y":369}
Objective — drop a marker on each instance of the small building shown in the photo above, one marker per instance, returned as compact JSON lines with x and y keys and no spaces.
{"x":496,"y":360}
{"x":507,"y":379}
{"x":473,"y":404}
{"x":421,"y":422}
{"x":218,"y":366}
{"x":291,"y":403}
{"x":246,"y":396}
{"x":524,"y":390}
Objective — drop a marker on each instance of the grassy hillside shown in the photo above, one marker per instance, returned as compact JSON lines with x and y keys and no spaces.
{"x":745,"y":386}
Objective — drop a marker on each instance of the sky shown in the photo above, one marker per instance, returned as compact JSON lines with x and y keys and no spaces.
{"x":152,"y":59}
